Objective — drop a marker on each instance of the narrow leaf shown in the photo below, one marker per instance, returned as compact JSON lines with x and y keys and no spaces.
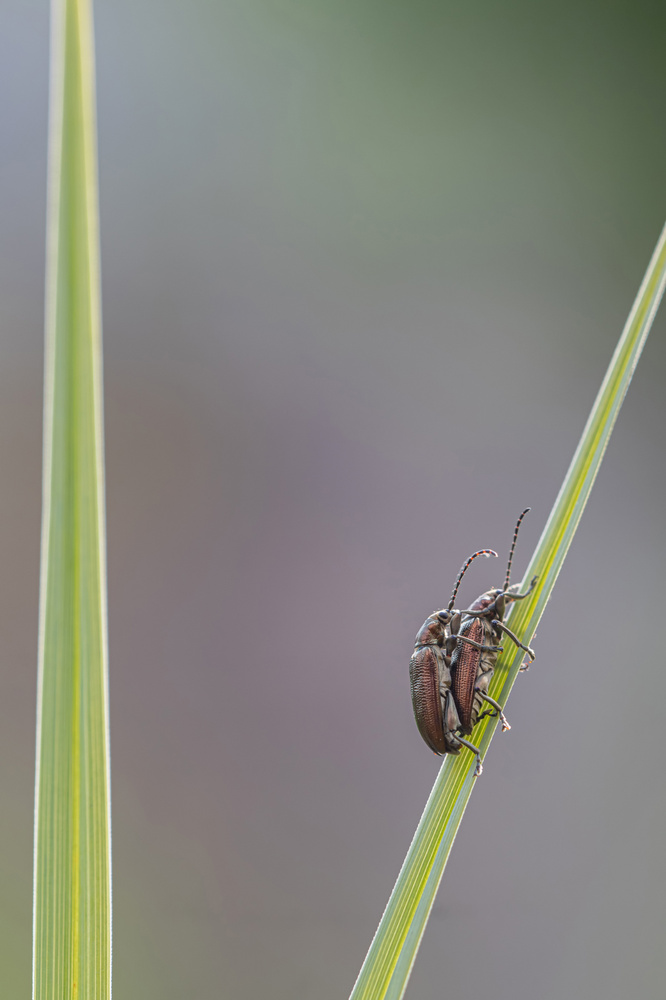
{"x":389,"y":961}
{"x":72,"y":888}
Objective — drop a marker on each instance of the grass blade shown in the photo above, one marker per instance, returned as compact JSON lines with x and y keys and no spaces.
{"x":72,"y":868}
{"x":389,"y":961}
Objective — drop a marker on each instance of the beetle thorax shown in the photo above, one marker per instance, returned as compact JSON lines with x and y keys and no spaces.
{"x":431,"y":633}
{"x":485,"y":600}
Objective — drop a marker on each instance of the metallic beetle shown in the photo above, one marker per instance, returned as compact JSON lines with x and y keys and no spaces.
{"x":454,"y":660}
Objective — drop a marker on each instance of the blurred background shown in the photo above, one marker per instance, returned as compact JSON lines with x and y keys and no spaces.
{"x":364,"y":266}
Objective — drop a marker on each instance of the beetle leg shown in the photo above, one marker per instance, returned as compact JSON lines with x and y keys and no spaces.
{"x":498,"y":711}
{"x":470,"y":746}
{"x":479,"y":645}
{"x":451,"y":723}
{"x":502,"y":626}
{"x":452,"y":640}
{"x":520,"y":597}
{"x":491,"y":609}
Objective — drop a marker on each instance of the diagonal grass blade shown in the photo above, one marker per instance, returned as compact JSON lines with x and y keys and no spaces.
{"x":72,"y":868}
{"x":392,"y":953}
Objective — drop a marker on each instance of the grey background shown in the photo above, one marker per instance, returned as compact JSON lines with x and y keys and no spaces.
{"x":364,"y":265}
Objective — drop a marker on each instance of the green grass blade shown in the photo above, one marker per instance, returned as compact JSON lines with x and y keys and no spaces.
{"x":389,"y":961}
{"x":72,"y":873}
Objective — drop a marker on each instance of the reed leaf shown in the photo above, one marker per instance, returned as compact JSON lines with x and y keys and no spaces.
{"x":72,"y":866}
{"x":392,"y":953}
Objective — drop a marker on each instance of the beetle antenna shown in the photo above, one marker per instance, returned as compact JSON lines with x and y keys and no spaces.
{"x":481,"y":552}
{"x":513,"y":545}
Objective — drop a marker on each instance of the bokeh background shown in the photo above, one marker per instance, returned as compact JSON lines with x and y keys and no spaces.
{"x":364,"y":265}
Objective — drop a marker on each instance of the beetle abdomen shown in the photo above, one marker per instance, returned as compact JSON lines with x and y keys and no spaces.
{"x":464,"y":668}
{"x":424,"y":675}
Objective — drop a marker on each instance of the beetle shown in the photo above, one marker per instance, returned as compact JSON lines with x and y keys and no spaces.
{"x":454,"y":660}
{"x":435,"y":709}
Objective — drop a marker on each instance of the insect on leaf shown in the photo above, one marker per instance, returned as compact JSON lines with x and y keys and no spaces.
{"x":387,"y":966}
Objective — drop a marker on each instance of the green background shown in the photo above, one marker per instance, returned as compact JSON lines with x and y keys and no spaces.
{"x":364,"y":265}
